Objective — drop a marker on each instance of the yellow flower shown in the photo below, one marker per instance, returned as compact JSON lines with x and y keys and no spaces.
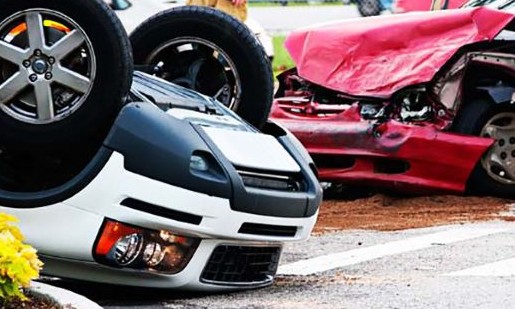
{"x":19,"y":263}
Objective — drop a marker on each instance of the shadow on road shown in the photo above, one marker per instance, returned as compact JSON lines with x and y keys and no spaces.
{"x":115,"y":295}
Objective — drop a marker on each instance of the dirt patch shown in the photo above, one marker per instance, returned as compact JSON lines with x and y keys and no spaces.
{"x":385,"y":213}
{"x":314,"y":280}
{"x":32,"y":303}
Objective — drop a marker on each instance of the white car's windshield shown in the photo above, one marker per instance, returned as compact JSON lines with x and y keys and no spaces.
{"x":497,"y":4}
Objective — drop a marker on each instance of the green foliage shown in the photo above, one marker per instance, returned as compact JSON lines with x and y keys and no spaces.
{"x":19,"y":263}
{"x":282,"y":60}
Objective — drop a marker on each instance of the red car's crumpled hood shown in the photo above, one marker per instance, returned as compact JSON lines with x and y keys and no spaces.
{"x":377,"y":56}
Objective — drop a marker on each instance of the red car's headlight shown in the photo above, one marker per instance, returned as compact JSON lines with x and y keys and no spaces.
{"x":121,"y":245}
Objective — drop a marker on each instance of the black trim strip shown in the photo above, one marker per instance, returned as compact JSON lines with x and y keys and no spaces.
{"x":161,"y":211}
{"x":268,"y":230}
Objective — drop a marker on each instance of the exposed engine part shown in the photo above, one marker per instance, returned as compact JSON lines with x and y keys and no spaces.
{"x":372,"y":111}
{"x":448,"y":88}
{"x":414,"y":105}
{"x":419,"y":115}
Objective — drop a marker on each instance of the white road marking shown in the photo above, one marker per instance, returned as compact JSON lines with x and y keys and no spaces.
{"x":505,"y":268}
{"x":351,"y":257}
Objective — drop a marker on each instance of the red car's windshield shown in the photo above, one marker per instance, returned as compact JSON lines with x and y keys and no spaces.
{"x":497,"y":4}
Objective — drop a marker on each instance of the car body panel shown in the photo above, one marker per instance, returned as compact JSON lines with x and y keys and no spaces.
{"x":349,"y":150}
{"x":243,"y":149}
{"x":188,"y":279}
{"x":378,"y":56}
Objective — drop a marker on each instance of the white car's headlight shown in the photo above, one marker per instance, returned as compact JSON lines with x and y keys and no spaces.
{"x":122,"y":245}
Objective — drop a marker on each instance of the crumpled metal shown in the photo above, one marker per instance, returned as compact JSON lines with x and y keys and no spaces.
{"x":377,"y":56}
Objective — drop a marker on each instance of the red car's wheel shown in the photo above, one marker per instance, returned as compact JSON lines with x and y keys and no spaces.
{"x":495,"y":173}
{"x":499,"y":162}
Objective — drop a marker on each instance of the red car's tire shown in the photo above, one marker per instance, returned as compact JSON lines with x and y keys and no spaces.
{"x":475,"y":119}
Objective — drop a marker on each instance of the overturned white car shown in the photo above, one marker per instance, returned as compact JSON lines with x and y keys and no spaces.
{"x":148,"y":185}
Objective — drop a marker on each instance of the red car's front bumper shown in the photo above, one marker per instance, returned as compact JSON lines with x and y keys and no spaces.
{"x":418,"y":158}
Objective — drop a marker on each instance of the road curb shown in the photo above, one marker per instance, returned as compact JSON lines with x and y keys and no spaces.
{"x":63,"y":297}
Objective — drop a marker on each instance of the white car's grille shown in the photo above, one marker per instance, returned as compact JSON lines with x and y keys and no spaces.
{"x":242,"y":266}
{"x":281,"y":182}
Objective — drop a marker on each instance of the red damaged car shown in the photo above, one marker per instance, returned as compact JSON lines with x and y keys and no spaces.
{"x":417,"y":102}
{"x":403,"y":6}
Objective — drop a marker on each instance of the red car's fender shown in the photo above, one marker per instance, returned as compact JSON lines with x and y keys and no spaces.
{"x":349,"y":150}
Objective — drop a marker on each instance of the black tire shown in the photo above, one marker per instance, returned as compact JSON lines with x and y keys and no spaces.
{"x":224,"y":32}
{"x":38,"y":155}
{"x":88,"y":125}
{"x":471,"y":119}
{"x":369,"y":7}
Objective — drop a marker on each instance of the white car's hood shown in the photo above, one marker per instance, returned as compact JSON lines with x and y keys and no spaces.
{"x":252,"y":150}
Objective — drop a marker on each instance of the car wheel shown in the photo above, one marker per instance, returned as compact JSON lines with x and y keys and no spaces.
{"x":369,"y":8}
{"x":211,"y":52}
{"x":65,"y":68}
{"x":495,"y":173}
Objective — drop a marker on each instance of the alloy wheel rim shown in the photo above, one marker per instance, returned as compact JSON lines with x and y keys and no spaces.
{"x":47,"y":66}
{"x":228,"y":94}
{"x":499,"y":161}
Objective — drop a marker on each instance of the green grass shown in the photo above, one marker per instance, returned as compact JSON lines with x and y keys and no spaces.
{"x":282,"y":59}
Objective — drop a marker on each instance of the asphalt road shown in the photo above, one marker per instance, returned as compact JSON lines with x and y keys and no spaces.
{"x":283,"y":19}
{"x":460,"y":266}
